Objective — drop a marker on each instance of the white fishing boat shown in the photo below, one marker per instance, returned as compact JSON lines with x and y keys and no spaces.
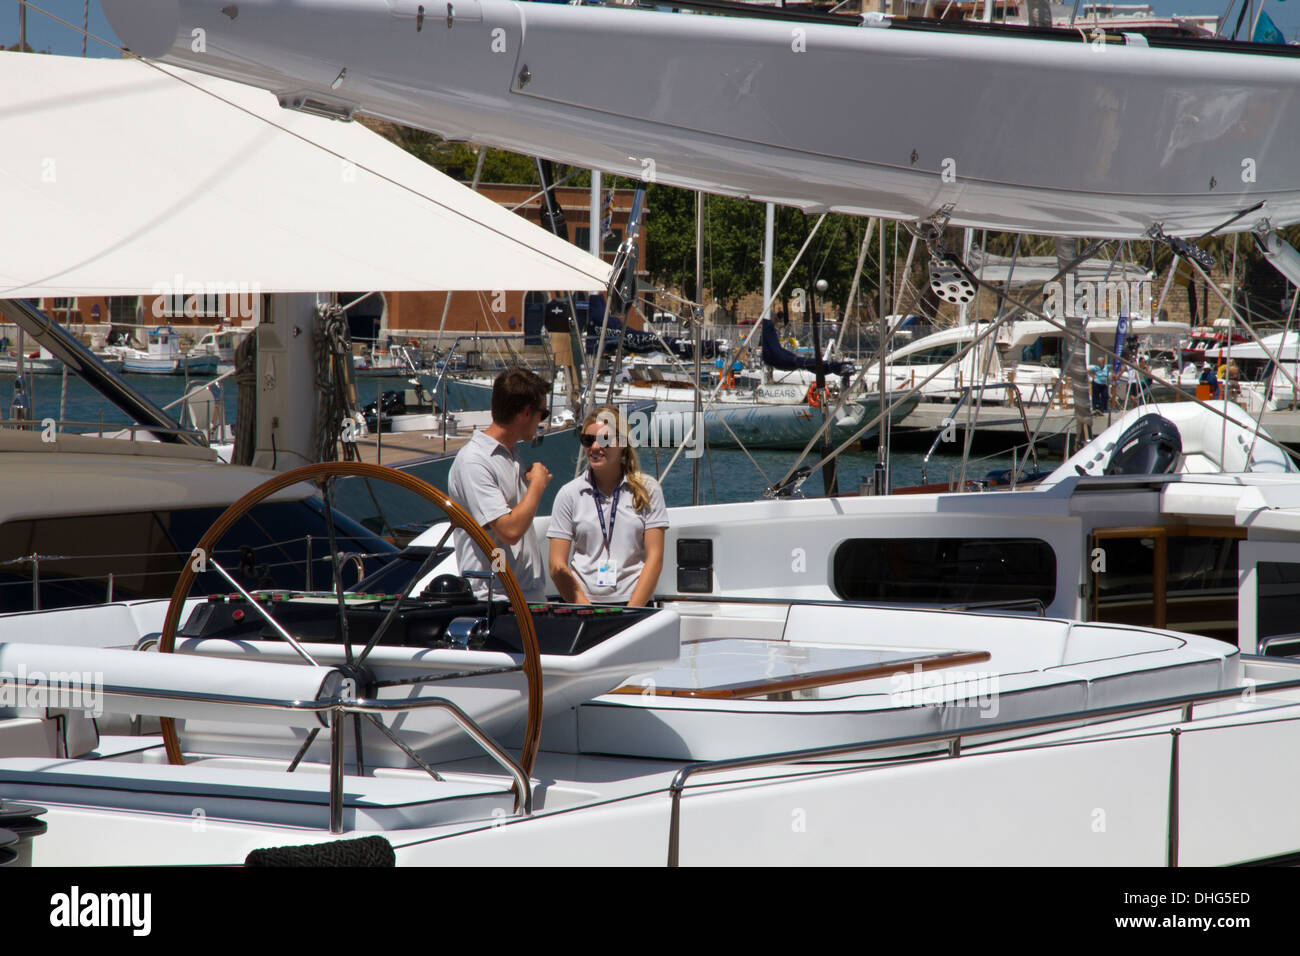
{"x":222,"y":343}
{"x":44,"y":362}
{"x":396,"y":360}
{"x":164,"y":356}
{"x":40,"y":362}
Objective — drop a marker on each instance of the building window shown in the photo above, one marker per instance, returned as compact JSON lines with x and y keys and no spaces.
{"x":124,"y":309}
{"x":190,"y":306}
{"x":946,"y":571}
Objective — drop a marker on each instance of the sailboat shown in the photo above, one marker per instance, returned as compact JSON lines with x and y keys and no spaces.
{"x":765,"y":681}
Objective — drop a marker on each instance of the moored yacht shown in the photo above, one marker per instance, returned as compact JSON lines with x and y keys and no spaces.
{"x":491,"y":732}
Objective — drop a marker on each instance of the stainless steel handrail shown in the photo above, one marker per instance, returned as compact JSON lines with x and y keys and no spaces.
{"x":1013,"y":390}
{"x":337,"y":708}
{"x":953,"y":740}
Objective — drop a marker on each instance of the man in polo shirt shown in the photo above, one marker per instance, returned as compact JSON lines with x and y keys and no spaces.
{"x":488,"y":479}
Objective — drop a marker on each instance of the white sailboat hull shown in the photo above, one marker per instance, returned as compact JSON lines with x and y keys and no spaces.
{"x":1026,"y":134}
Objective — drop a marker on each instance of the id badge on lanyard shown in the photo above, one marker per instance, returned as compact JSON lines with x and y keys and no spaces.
{"x":607,"y":569}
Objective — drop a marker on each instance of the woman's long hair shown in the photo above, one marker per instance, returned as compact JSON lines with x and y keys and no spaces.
{"x":612,"y":417}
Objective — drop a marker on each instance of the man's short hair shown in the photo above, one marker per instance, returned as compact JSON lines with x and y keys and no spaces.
{"x":517,"y":390}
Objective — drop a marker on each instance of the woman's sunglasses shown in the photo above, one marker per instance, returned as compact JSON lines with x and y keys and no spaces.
{"x":589,"y":440}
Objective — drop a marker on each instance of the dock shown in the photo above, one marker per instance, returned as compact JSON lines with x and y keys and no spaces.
{"x":394,"y":448}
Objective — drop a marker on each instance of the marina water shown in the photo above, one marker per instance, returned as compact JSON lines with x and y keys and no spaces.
{"x":726,"y":475}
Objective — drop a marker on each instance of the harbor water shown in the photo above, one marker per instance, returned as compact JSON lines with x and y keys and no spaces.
{"x":725,"y":475}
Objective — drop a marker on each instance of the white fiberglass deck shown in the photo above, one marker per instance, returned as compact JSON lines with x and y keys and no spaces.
{"x":888,"y":684}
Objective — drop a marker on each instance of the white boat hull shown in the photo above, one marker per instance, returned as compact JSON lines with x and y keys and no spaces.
{"x":192,"y":365}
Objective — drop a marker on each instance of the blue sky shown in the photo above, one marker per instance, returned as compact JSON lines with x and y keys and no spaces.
{"x":42,"y":33}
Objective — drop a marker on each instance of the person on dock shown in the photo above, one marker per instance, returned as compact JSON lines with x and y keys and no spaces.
{"x":488,"y":479}
{"x":1208,"y":377}
{"x":1100,"y":387}
{"x":607,"y":525}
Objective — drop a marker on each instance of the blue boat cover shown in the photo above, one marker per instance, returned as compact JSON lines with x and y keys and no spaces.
{"x":781,"y":358}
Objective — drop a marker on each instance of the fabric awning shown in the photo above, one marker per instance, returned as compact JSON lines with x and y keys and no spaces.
{"x":121,"y":178}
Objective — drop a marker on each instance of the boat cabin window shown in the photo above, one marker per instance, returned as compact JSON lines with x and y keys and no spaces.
{"x":1182,"y":578}
{"x":935,"y":356}
{"x":1277,"y":599}
{"x":1045,"y":350}
{"x":89,"y":559}
{"x":945,"y":571}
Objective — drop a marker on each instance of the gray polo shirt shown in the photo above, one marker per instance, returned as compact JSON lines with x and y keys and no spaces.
{"x":574,"y":518}
{"x":487,"y":479}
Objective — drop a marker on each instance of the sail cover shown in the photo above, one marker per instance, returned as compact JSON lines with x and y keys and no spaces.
{"x":637,"y":343}
{"x":122,"y":178}
{"x":781,"y":358}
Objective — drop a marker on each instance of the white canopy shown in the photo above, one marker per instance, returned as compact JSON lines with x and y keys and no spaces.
{"x":120,"y":178}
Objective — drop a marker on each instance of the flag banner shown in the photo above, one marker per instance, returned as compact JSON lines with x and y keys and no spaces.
{"x":1266,"y":30}
{"x":607,"y":216}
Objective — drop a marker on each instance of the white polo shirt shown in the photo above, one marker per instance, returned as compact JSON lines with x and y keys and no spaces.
{"x":574,"y":518}
{"x":487,"y":479}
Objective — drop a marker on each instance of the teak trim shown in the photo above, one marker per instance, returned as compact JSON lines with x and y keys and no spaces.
{"x":841,"y":675}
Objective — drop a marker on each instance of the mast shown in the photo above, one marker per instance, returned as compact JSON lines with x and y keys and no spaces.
{"x":597,"y":226}
{"x":697,"y":421}
{"x":22,"y":48}
{"x":882,"y":451}
{"x":830,"y":483}
{"x":768,"y":244}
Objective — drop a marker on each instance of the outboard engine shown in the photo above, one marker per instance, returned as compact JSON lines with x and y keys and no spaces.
{"x":1150,"y":446}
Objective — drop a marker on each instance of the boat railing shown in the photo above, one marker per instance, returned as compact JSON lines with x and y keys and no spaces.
{"x":339,"y":707}
{"x":1013,"y":393}
{"x":953,"y":740}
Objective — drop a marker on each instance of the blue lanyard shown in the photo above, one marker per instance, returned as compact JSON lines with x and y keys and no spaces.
{"x":606,"y":536}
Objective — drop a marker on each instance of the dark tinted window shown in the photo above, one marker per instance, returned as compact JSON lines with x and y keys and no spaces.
{"x":144,"y":551}
{"x":934,"y":356}
{"x":945,"y":570}
{"x":1200,"y":584}
{"x":1278,"y":601}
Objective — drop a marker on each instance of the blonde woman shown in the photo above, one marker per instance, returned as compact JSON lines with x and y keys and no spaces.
{"x":607,"y":525}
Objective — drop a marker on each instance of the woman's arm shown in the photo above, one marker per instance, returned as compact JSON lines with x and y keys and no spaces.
{"x":654,"y":563}
{"x":565,"y":582}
